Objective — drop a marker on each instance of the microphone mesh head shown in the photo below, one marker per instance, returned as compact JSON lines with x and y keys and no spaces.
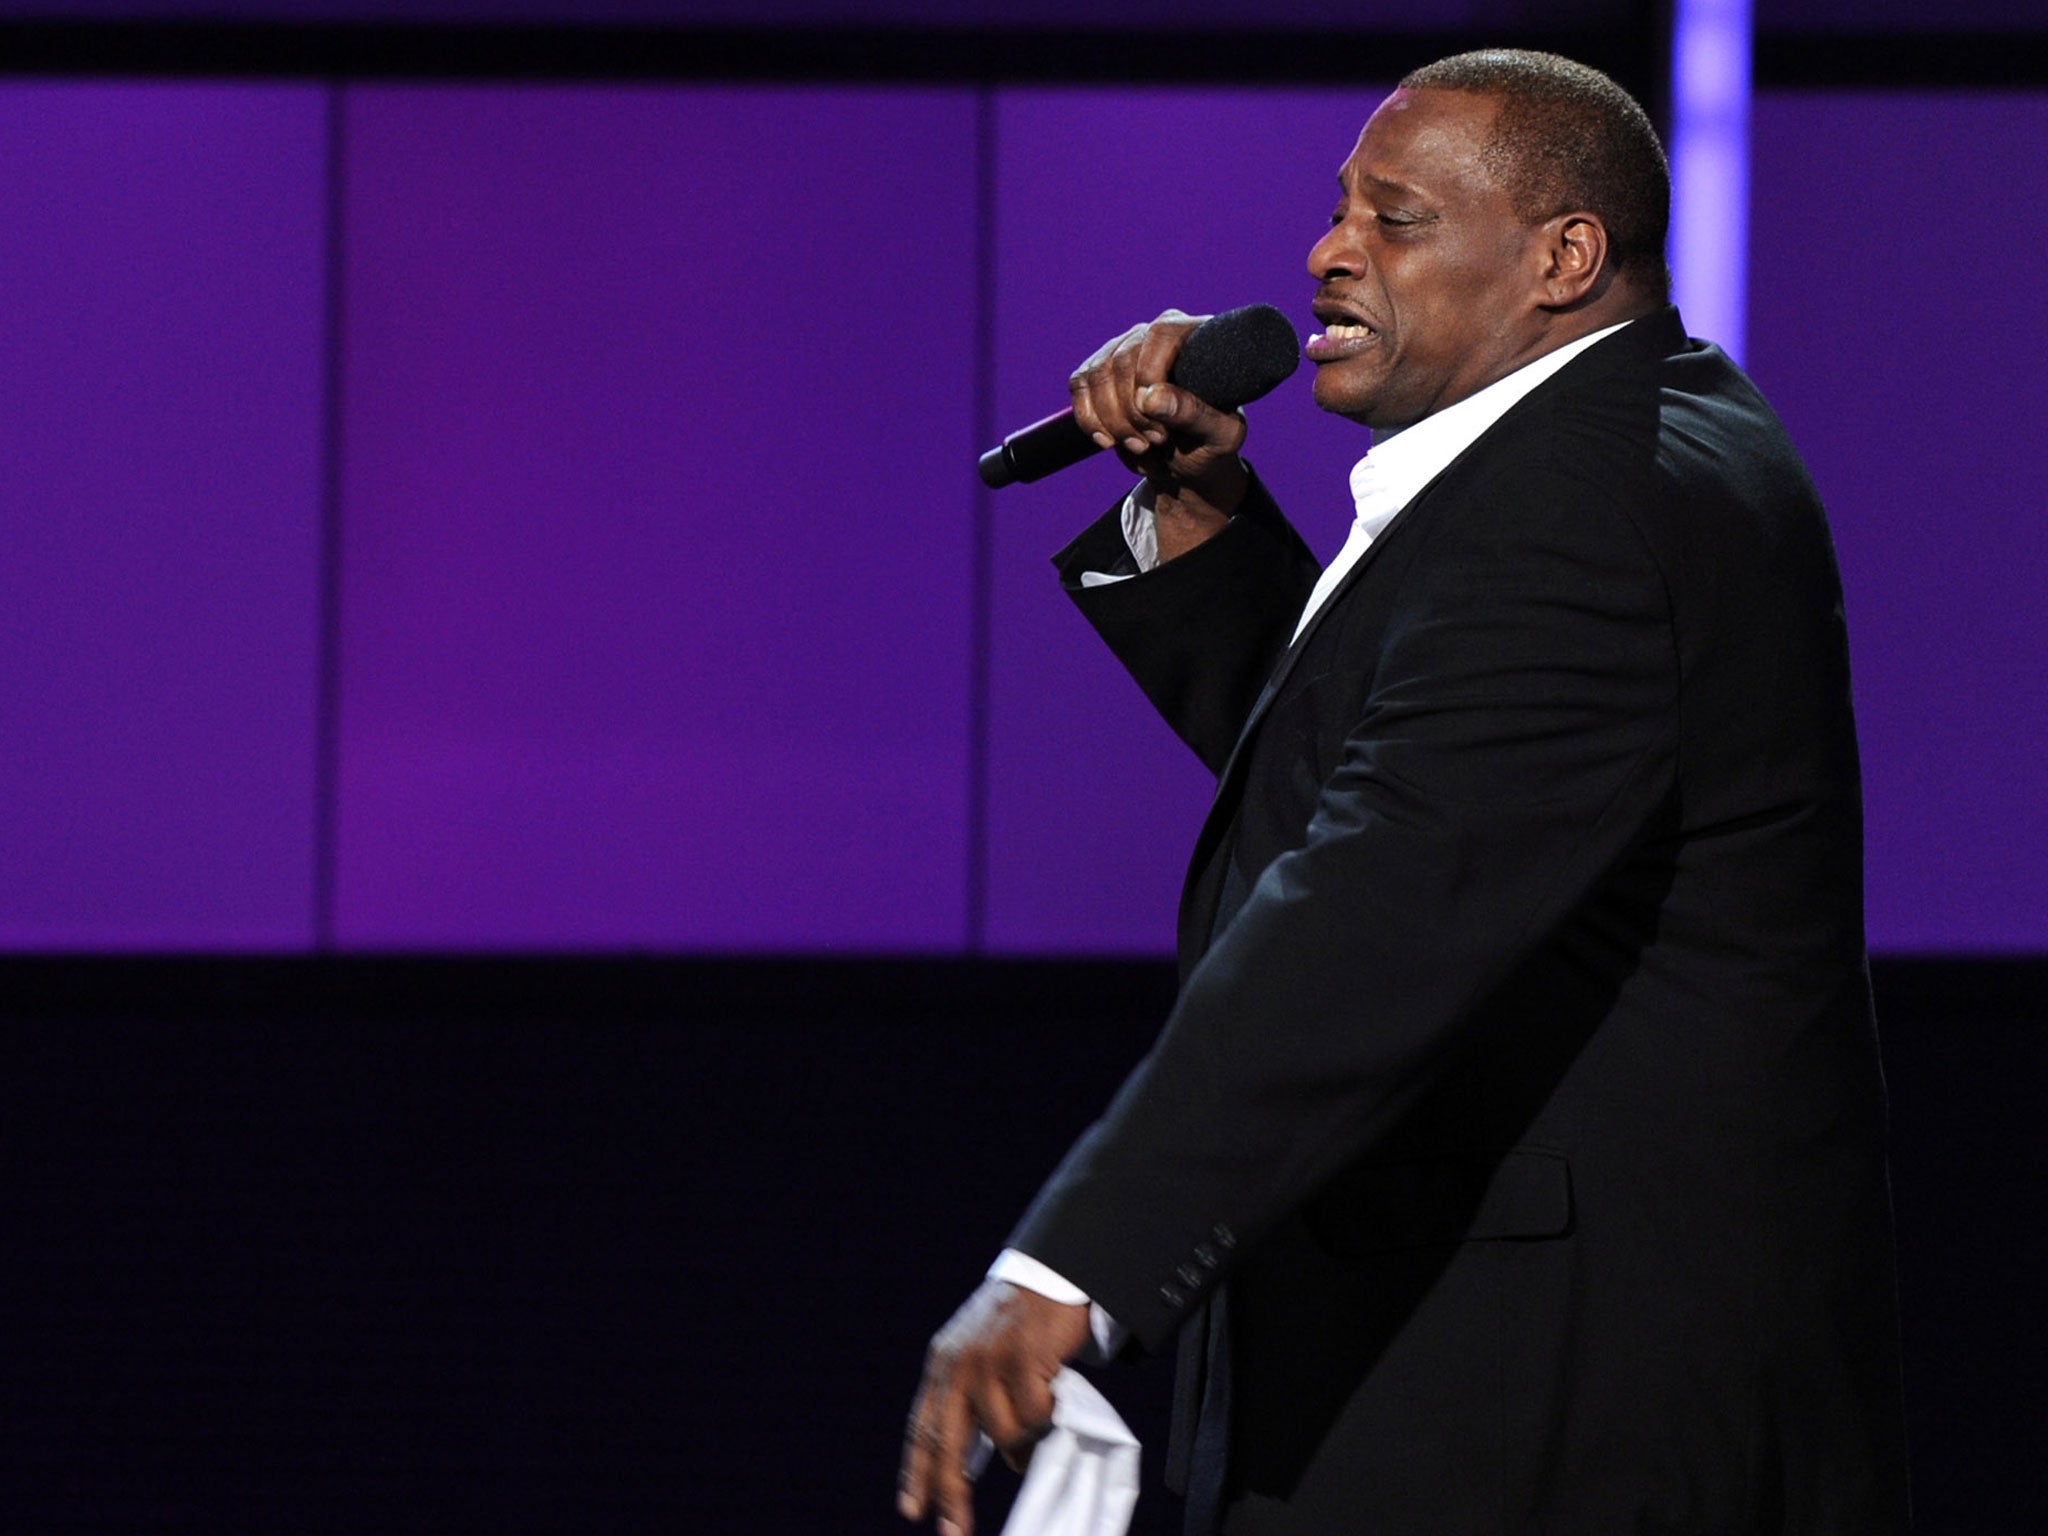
{"x":1237,"y":356}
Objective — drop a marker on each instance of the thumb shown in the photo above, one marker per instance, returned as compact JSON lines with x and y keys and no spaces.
{"x":1189,"y":417}
{"x":1164,"y":402}
{"x":1169,"y":402}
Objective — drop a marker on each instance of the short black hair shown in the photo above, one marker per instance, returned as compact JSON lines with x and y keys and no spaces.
{"x":1569,"y":138}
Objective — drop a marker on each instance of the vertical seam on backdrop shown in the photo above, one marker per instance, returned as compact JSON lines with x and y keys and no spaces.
{"x":327,"y":706}
{"x":982,"y":597}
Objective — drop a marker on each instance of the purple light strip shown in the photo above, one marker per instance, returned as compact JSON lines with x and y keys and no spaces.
{"x":1710,"y":83}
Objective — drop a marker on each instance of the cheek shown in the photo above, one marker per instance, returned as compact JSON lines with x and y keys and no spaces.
{"x":1443,"y":314}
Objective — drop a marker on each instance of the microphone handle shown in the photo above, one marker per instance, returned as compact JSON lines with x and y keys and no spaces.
{"x":1031,"y":453}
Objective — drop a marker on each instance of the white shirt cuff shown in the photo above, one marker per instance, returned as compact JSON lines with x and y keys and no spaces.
{"x":1020,"y":1269}
{"x":1141,"y":525}
{"x":1141,"y":535}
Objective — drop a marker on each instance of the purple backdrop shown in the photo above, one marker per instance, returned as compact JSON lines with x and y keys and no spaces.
{"x":1896,"y":320}
{"x":657,"y":569}
{"x":160,"y":275}
{"x":658,"y":577}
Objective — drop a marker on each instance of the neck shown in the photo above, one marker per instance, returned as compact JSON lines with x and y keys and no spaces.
{"x":1616,"y":302}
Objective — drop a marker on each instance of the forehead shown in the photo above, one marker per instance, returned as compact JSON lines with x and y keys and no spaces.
{"x":1431,"y":140}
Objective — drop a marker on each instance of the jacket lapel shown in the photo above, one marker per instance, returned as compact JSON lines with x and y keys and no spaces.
{"x":1198,"y":890}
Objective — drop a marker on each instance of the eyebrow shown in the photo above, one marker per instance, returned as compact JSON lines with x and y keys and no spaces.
{"x":1386,"y":184}
{"x":1378,"y":184}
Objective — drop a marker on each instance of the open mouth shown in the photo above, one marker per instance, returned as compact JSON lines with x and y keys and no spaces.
{"x":1339,"y":341}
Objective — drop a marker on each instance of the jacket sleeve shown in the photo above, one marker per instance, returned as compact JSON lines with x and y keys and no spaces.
{"x":1516,"y":739}
{"x":1200,"y":633}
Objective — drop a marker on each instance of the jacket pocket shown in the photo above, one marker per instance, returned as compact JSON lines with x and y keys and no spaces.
{"x":1522,"y":1194}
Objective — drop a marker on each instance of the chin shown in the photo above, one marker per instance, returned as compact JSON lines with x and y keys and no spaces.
{"x":1349,"y":404}
{"x":1332,"y":396}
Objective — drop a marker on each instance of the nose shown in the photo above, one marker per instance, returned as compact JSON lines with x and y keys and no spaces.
{"x":1335,"y":255}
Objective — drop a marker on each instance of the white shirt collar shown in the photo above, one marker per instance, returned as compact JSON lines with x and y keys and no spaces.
{"x":1402,"y":463}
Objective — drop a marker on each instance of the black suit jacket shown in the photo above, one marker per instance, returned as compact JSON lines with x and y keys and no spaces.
{"x":1521,"y":1095}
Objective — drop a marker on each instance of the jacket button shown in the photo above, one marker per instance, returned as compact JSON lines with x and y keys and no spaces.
{"x":1205,"y":1256}
{"x":1225,"y":1238}
{"x":1172,"y":1297}
{"x":1189,"y":1275}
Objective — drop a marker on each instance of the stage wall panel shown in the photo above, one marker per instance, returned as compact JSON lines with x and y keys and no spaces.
{"x":1896,"y":321}
{"x":656,"y":576}
{"x":161,"y":312}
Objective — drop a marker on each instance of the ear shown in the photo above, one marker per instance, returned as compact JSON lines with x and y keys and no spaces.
{"x":1573,"y":250}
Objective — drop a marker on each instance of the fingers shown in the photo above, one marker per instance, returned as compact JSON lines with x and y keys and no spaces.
{"x":1024,"y":1402}
{"x":1027,"y":1397}
{"x":1189,"y":418}
{"x":1014,"y":1411}
{"x":950,"y":1489}
{"x":920,"y":1452}
{"x":928,"y":1449}
{"x":1124,"y":399}
{"x":1106,"y":388}
{"x":941,"y":1437}
{"x":989,"y":1369}
{"x":1104,"y":391}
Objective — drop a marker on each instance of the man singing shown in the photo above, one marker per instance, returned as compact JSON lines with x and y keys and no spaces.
{"x":1512,"y":1159}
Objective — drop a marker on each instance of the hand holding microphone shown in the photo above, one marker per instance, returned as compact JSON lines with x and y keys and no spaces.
{"x":1163,"y":395}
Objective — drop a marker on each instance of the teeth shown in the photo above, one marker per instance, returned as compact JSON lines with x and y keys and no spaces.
{"x":1348,"y":332}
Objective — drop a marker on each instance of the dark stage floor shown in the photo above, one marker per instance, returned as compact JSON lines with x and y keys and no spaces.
{"x":565,"y":1246}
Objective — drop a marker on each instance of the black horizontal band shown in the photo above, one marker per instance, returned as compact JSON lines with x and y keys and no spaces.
{"x":572,"y":52}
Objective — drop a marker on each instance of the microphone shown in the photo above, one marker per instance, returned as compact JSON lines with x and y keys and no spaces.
{"x":1227,"y":361}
